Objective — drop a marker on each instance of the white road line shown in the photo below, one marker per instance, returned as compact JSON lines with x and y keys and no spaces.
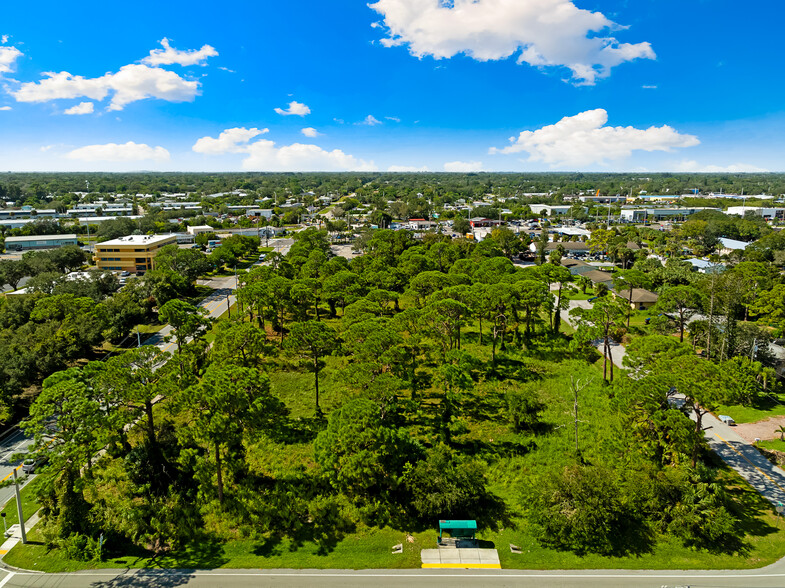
{"x":501,"y":575}
{"x":4,"y":581}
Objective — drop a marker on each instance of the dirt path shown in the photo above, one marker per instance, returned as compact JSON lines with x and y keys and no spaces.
{"x":760,"y":430}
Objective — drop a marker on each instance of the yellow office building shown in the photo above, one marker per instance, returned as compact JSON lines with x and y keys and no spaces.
{"x":133,"y":254}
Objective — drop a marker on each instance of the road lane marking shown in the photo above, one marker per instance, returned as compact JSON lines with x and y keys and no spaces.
{"x":4,"y":581}
{"x":773,"y":481}
{"x":502,"y":575}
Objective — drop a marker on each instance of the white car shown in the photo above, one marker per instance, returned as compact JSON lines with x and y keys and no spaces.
{"x":29,"y":466}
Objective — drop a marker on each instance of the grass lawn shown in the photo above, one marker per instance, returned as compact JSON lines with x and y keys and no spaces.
{"x":365,"y":549}
{"x":296,"y":389}
{"x":370,"y":549}
{"x":29,"y":504}
{"x":578,"y":295}
{"x":764,"y":409}
{"x":546,"y":368}
{"x":772,"y":444}
{"x":148,"y":329}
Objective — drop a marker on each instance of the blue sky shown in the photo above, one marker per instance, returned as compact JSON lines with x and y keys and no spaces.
{"x":456,"y":85}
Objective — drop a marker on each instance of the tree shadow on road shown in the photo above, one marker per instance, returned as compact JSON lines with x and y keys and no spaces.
{"x":148,"y":579}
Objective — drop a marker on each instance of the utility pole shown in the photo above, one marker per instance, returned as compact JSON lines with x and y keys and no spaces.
{"x":19,"y":508}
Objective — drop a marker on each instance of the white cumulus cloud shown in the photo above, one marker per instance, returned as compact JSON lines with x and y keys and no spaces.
{"x":131,"y":83}
{"x":295,"y":108}
{"x":264,"y":155}
{"x":81,"y":108}
{"x":171,"y":56}
{"x":5,"y":108}
{"x":129,"y":151}
{"x":583,"y":139}
{"x":463,"y":166}
{"x":8,"y":57}
{"x":541,"y":32}
{"x":229,"y":141}
{"x":407,"y":168}
{"x":370,"y":121}
{"x":734,"y":168}
{"x":310,"y":132}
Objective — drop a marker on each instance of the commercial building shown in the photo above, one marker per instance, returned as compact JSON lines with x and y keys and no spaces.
{"x":479,"y":221}
{"x":265,"y":212}
{"x":638,"y":215}
{"x":133,"y":253}
{"x":197,"y":229}
{"x":767,"y":213}
{"x":38,"y":242}
{"x":549,"y":210}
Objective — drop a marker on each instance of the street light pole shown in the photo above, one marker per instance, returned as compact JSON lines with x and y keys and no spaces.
{"x":19,"y":508}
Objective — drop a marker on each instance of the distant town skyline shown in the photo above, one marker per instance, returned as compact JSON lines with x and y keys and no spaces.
{"x":392,"y":85}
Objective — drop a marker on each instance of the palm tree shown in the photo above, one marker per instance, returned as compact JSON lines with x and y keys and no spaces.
{"x":781,"y":431}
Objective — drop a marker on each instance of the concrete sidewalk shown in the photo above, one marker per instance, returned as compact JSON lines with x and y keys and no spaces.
{"x":460,"y":559}
{"x":15,"y":534}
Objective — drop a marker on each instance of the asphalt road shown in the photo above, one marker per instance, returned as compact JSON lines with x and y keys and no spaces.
{"x":21,"y":284}
{"x":14,"y":443}
{"x":766,"y":578}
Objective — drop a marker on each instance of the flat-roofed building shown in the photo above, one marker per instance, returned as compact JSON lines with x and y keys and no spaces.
{"x":637,"y":215}
{"x":550,"y":210}
{"x":133,"y":253}
{"x":38,"y":242}
{"x":767,"y":213}
{"x":198,"y":229}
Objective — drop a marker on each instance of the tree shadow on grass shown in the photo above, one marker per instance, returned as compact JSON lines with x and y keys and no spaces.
{"x":269,"y":547}
{"x":202,"y":553}
{"x":475,"y":447}
{"x":298,"y":430}
{"x":509,"y":368}
{"x":484,"y":408}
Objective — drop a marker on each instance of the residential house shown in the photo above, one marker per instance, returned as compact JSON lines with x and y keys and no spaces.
{"x":642,"y":299}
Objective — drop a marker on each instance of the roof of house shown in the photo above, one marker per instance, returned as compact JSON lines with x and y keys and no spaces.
{"x":638,"y":295}
{"x":568,"y":245}
{"x":598,"y":276}
{"x":704,"y":264}
{"x":568,"y":263}
{"x":733,"y":244}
